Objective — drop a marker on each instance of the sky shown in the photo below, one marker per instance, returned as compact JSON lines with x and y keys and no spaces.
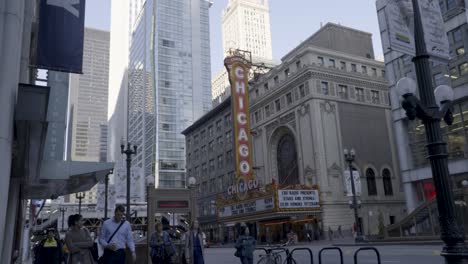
{"x":292,"y":21}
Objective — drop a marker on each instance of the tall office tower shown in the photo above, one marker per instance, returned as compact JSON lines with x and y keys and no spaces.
{"x":88,"y":103}
{"x":168,"y":84}
{"x":246,"y":26}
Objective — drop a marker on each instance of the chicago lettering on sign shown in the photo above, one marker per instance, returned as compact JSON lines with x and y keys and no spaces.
{"x":238,"y":69}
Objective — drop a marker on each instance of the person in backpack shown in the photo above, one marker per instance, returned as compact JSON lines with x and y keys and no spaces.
{"x":49,"y":250}
{"x":116,"y":234}
{"x":162,"y":248}
{"x":245,"y":246}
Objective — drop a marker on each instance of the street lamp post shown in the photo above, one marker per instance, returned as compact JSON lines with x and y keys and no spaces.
{"x":427,"y":110}
{"x":63,"y":210}
{"x":106,"y":194}
{"x":128,"y":152}
{"x":349,"y":156}
{"x":80,"y":196}
{"x":192,"y":186}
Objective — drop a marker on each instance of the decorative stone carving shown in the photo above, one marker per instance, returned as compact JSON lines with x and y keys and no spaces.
{"x":334,"y":170}
{"x":327,"y":107}
{"x":303,"y":109}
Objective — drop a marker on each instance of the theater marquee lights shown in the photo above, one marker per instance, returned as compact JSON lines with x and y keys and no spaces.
{"x":238,"y":69}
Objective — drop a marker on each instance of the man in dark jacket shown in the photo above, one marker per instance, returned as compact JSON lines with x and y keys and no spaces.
{"x":50,"y":250}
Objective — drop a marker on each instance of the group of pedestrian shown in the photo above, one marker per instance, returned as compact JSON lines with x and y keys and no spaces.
{"x":116,"y":235}
{"x":163,"y":250}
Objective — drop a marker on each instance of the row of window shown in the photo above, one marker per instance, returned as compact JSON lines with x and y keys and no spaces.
{"x":213,"y":129}
{"x":332,"y":63}
{"x":303,"y":90}
{"x":209,"y":167}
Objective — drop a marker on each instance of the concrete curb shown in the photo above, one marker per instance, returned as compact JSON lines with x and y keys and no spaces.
{"x":390,"y":243}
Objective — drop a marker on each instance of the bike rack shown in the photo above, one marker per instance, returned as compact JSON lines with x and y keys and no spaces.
{"x":330,"y":249}
{"x":304,"y":249}
{"x":367,"y":249}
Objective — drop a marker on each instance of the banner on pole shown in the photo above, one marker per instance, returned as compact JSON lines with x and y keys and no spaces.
{"x":61,"y":35}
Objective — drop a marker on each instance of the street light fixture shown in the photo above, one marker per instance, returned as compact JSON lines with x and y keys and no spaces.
{"x":431,"y":112}
{"x":63,"y":210}
{"x":106,"y":194}
{"x":80,"y":196}
{"x":354,"y":203}
{"x":128,"y":152}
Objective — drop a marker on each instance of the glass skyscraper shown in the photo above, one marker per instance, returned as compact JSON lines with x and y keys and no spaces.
{"x":169,"y":84}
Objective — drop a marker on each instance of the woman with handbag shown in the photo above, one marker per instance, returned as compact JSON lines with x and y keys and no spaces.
{"x":162,"y":248}
{"x":78,"y":241}
{"x":245,"y":246}
{"x":194,"y":245}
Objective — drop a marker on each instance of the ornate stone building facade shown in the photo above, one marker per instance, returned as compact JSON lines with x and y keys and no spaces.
{"x":318,"y":102}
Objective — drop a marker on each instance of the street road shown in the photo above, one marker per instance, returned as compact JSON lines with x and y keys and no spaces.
{"x":404,"y":254}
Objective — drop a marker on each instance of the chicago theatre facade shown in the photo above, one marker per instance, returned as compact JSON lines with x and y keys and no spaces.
{"x":328,"y":94}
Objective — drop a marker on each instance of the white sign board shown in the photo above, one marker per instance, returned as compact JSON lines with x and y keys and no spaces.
{"x":398,"y":16}
{"x":247,"y":207}
{"x":298,"y":199}
{"x":357,"y":183}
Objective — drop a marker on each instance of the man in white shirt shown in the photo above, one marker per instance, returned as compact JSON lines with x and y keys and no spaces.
{"x":114,"y":250}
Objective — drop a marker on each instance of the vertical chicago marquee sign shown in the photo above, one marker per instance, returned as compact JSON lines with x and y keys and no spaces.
{"x":238,"y":69}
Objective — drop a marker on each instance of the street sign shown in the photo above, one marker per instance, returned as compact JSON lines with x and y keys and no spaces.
{"x":357,"y":183}
{"x":396,"y":19}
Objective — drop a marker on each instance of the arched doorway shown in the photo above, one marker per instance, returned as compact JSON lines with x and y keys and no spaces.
{"x":288,"y":173}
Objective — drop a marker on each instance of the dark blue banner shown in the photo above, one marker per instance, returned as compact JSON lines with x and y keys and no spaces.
{"x":60,"y":37}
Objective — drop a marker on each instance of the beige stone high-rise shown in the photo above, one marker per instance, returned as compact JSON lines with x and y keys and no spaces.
{"x":246,"y":26}
{"x":88,"y":104}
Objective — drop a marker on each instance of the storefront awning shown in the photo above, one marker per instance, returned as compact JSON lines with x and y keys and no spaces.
{"x":40,"y":125}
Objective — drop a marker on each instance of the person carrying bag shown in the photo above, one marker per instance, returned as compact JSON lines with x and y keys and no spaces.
{"x":104,"y":259}
{"x":116,"y":243}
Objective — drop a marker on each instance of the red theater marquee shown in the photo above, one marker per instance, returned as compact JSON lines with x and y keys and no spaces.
{"x":238,"y":69}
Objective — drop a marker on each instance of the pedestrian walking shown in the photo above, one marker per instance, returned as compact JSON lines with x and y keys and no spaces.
{"x":78,"y":241}
{"x":49,"y":250}
{"x":116,"y":234}
{"x":194,"y":245}
{"x":65,"y":251}
{"x":330,"y":233}
{"x":162,"y":248}
{"x":245,"y":246}
{"x":340,"y":233}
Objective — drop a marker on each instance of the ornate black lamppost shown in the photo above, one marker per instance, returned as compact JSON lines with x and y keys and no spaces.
{"x":192,"y":184}
{"x":355,"y":205}
{"x":128,"y":152}
{"x":106,"y":194}
{"x":80,"y":196}
{"x":63,"y":210}
{"x":427,"y":110}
